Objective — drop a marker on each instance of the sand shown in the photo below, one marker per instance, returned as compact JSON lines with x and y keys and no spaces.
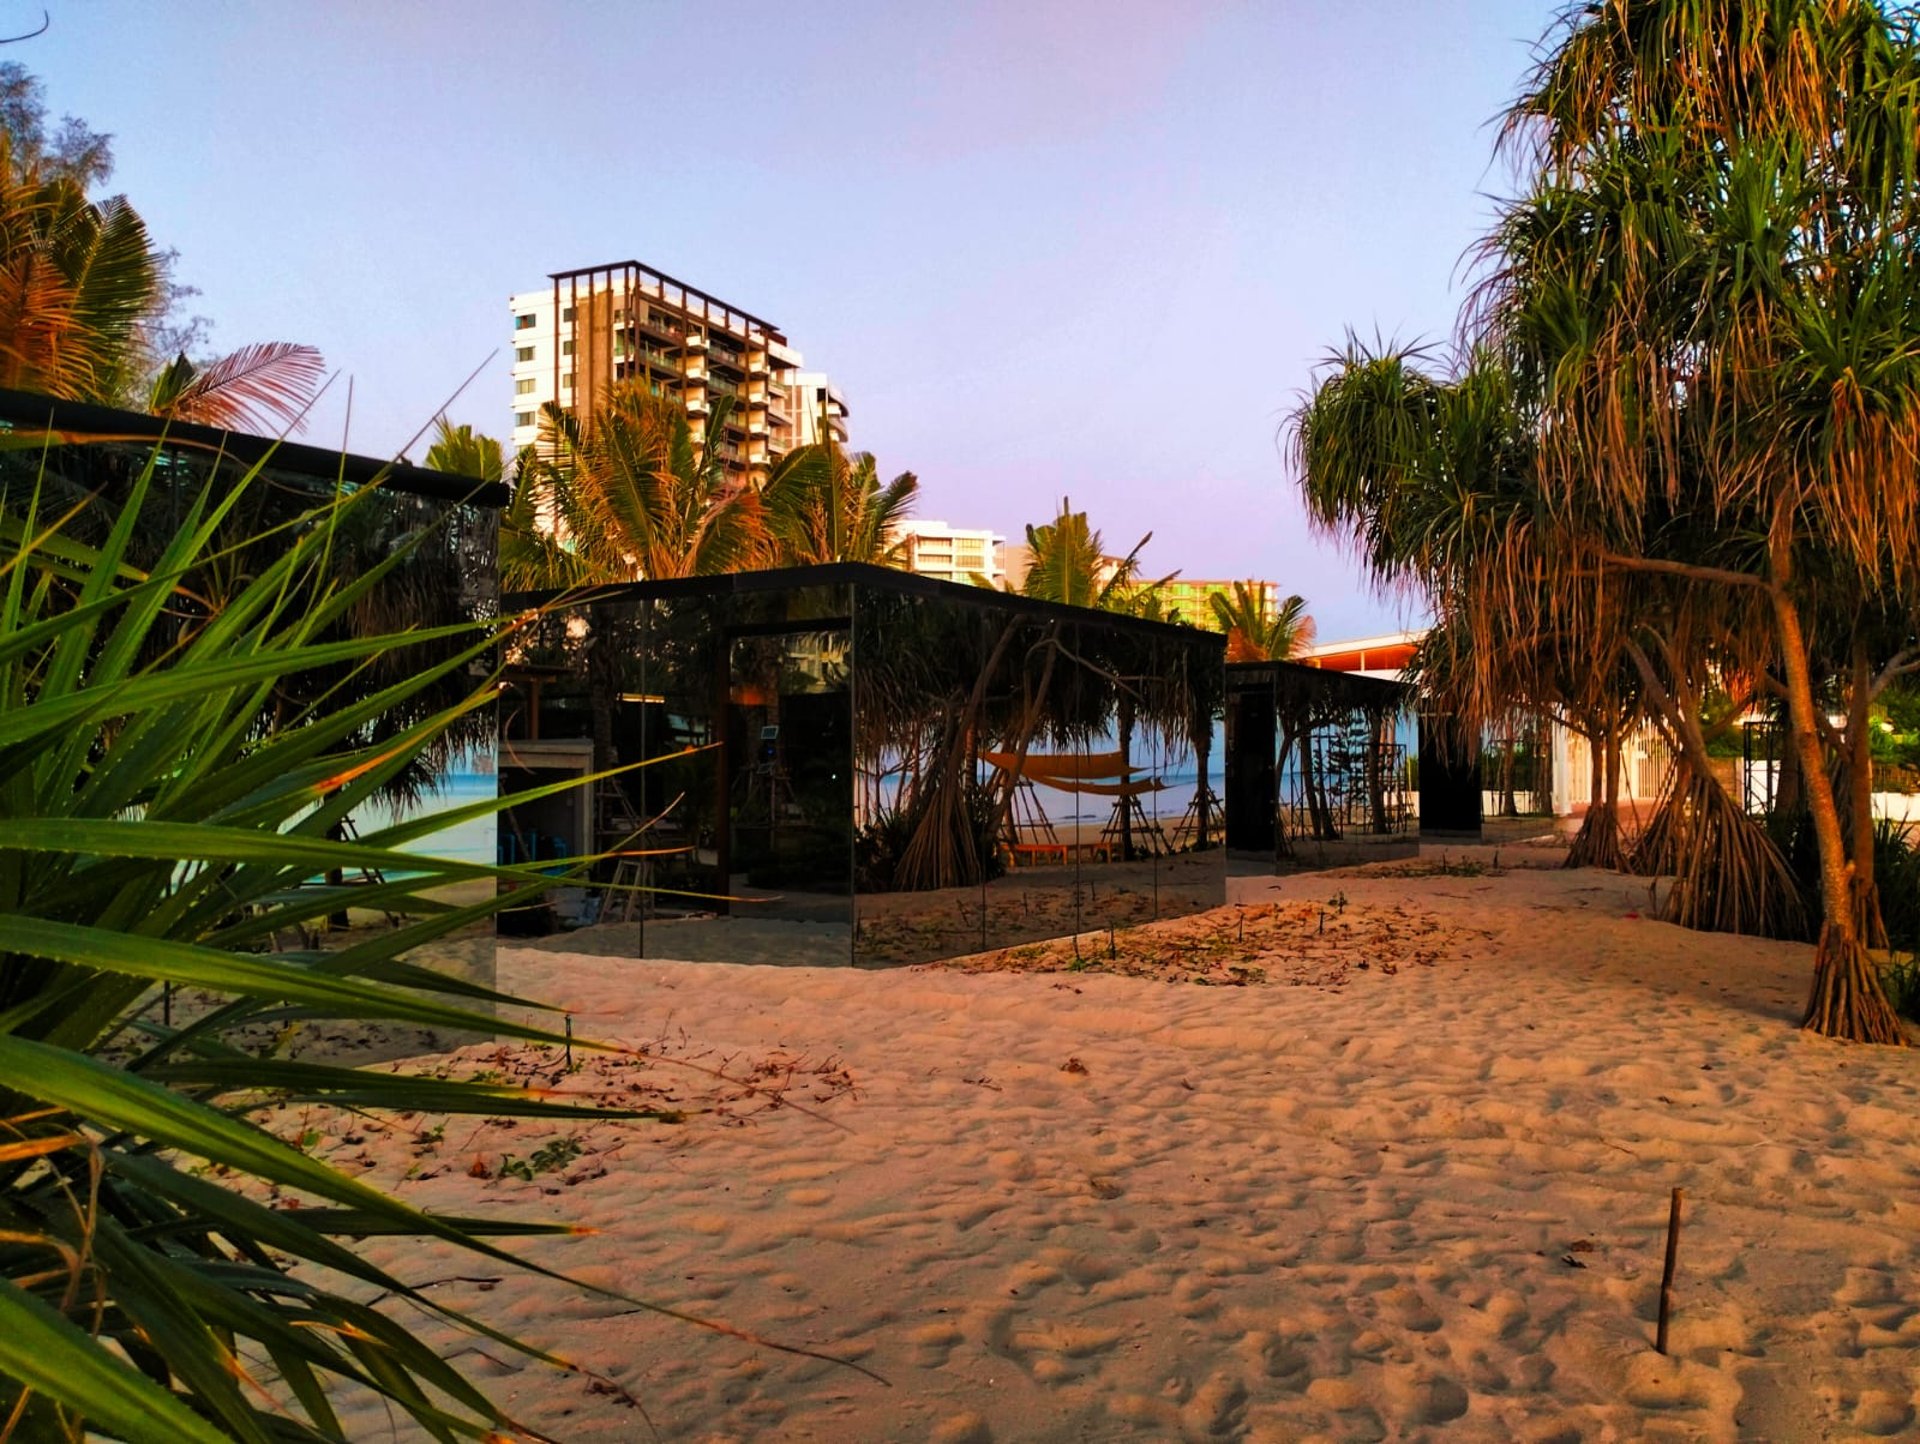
{"x":1403,"y":1175}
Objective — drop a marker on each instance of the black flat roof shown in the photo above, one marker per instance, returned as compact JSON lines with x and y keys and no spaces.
{"x":863,"y":574}
{"x":1350,"y":687}
{"x":681,"y":286}
{"x":82,"y":423}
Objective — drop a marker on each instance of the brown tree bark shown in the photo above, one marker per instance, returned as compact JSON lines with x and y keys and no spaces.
{"x":1848,"y":999}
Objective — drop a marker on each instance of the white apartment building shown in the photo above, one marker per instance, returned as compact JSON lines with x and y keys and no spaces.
{"x":589,"y":328}
{"x":815,"y":401}
{"x":952,"y":554}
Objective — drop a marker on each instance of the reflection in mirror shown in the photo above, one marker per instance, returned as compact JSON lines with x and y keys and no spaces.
{"x":733,"y":842}
{"x":1056,"y":726}
{"x":1191,"y":873}
{"x":925,"y":842}
{"x":1329,"y":747}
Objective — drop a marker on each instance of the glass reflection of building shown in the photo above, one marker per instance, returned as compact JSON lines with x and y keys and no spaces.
{"x":851,"y":764}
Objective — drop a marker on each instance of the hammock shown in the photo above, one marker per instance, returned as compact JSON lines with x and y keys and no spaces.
{"x":1105,"y":789}
{"x":1051,"y":768}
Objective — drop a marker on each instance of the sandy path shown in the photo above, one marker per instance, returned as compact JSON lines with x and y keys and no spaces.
{"x":1426,"y":1202}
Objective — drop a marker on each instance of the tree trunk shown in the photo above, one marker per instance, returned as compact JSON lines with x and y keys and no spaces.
{"x":1509,"y":804}
{"x":1848,"y":999}
{"x":1859,"y":774}
{"x":1728,"y":874}
{"x":1597,"y":844}
{"x":1379,"y":736}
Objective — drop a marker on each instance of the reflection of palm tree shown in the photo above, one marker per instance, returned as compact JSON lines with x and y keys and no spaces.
{"x":1254,"y":635}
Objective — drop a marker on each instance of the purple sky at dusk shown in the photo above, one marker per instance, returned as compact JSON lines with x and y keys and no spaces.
{"x":1083,"y":249}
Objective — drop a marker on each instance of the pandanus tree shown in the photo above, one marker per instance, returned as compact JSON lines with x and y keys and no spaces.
{"x":1709,"y":288}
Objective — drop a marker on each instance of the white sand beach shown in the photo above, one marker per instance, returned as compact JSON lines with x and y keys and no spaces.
{"x":1402,"y":1175}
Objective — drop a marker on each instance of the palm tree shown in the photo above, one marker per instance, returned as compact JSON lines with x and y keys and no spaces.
{"x":629,"y":493}
{"x":1255,"y":635}
{"x":824,"y":505}
{"x":84,"y":292}
{"x":1709,"y":291}
{"x":76,"y":281}
{"x":1430,"y":478}
{"x":259,"y":386}
{"x":1070,"y":565}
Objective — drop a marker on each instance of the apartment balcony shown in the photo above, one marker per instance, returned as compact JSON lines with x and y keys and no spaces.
{"x":660,"y":323}
{"x":757,"y":364}
{"x":696,"y":400}
{"x":696,"y":341}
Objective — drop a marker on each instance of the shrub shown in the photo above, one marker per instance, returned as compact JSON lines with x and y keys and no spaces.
{"x":154,"y":829}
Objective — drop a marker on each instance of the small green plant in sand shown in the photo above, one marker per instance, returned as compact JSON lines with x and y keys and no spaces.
{"x":547,"y":1159}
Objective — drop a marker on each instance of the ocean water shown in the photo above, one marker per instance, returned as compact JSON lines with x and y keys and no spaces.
{"x":470,"y":841}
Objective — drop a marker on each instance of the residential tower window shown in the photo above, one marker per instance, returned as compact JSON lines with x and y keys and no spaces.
{"x":523,"y":387}
{"x":523,"y":353}
{"x":523,"y":323}
{"x":523,"y":418}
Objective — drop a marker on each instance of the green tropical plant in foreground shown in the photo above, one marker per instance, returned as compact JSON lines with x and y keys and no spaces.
{"x":153,"y":831}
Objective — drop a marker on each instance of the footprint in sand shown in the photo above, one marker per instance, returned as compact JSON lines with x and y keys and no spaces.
{"x":933,"y":1344}
{"x":1882,"y":1413}
{"x":1408,"y":1309}
{"x":1865,"y":1286}
{"x":1422,"y":1398}
{"x":967,"y":1428}
{"x":1217,"y":1410}
{"x":1269,"y":1355}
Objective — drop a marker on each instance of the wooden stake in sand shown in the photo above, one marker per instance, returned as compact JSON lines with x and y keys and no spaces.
{"x":1666,"y":1277}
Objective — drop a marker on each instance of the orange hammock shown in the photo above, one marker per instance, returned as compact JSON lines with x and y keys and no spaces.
{"x":1046,"y":769}
{"x":1105,"y":789}
{"x":1080,"y":772}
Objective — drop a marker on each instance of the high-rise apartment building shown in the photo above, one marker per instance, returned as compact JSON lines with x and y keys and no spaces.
{"x":818,"y":407}
{"x":953,"y":554}
{"x":1192,"y":600}
{"x":627,"y":322}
